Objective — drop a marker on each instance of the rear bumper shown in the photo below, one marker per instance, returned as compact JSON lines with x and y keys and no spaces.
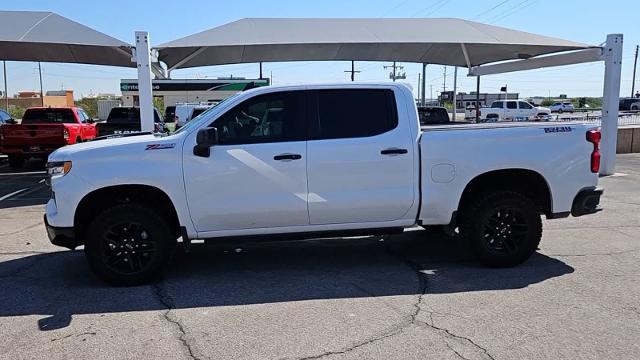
{"x":61,"y":236}
{"x":587,"y":202}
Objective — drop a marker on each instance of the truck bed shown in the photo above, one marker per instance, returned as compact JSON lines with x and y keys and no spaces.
{"x":559,"y":150}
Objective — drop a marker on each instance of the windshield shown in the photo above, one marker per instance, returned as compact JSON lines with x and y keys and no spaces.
{"x":205,"y":114}
{"x":48,"y":116}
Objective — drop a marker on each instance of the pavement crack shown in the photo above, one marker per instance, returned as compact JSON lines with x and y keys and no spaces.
{"x":457,"y":353}
{"x":166,"y":300}
{"x":423,"y":288}
{"x":596,"y":254}
{"x":74,"y":335}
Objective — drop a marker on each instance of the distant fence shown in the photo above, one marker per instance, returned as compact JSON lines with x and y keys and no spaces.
{"x":624,"y":118}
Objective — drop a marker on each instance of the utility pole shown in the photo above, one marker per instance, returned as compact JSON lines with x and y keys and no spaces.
{"x":431,"y":92}
{"x":424,"y":83}
{"x":444,"y":86}
{"x":41,"y":92}
{"x":419,"y":82}
{"x":394,"y":74}
{"x":352,"y":71}
{"x":633,"y":79}
{"x":6,"y":95}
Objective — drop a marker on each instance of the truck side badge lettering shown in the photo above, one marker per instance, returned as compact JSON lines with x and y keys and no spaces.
{"x":558,"y":129}
{"x":160,"y":146}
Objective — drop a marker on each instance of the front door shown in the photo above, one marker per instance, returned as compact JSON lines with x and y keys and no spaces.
{"x":360,"y":158}
{"x":256,"y":176}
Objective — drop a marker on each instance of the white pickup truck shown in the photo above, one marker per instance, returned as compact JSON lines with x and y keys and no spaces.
{"x":317,"y":161}
{"x":514,"y":110}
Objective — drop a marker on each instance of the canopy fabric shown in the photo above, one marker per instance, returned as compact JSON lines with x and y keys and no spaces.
{"x":46,"y":36}
{"x":429,"y":40}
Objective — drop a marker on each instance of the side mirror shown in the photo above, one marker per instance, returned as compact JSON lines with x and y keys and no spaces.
{"x":12,"y":121}
{"x":90,"y":121}
{"x":205,"y":139}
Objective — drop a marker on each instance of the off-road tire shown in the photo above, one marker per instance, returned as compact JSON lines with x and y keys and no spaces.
{"x":15,"y":161}
{"x":503,"y":228}
{"x":128,"y":228}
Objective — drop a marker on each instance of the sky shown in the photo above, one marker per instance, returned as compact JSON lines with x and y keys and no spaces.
{"x":586,"y":21}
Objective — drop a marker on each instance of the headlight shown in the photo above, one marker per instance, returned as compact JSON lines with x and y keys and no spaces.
{"x":58,"y":169}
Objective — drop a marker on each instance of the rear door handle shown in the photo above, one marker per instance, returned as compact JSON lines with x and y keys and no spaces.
{"x":287,"y":157}
{"x":394,"y":151}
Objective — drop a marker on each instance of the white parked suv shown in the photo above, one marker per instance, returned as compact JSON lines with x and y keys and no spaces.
{"x":561,"y":107}
{"x":317,"y":161}
{"x":514,"y":110}
{"x":187,"y":111}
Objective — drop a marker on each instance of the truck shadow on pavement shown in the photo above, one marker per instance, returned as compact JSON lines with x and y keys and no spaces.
{"x":60,"y":285}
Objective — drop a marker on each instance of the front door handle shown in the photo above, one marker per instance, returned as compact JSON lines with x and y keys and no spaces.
{"x":287,"y":157}
{"x":394,"y":151}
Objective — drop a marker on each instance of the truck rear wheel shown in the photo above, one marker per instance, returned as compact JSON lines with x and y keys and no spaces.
{"x":503,"y":228}
{"x":128,"y":244}
{"x":16,"y":161}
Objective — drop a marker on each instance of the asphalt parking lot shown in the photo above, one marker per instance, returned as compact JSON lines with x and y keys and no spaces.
{"x":413,"y":296}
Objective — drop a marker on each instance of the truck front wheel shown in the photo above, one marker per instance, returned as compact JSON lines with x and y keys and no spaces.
{"x":16,"y":161}
{"x":128,"y":244}
{"x":503,"y":228}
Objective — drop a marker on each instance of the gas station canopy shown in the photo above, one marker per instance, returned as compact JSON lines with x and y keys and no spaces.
{"x":48,"y":37}
{"x":444,"y":41}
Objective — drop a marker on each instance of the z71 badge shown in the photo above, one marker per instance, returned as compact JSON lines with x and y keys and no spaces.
{"x":557,"y":129}
{"x":160,"y":146}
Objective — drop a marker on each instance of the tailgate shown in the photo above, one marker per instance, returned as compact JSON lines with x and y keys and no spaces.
{"x":37,"y":134}
{"x":105,"y":129}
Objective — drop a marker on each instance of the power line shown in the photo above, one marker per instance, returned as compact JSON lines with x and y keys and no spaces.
{"x":490,"y":10}
{"x":424,"y":10}
{"x":398,"y":5}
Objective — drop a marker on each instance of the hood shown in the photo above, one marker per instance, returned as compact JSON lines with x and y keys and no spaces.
{"x":106,"y":145}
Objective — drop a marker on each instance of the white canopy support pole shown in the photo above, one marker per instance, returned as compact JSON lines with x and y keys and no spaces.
{"x":610,"y":102}
{"x":145,"y":95}
{"x":455,"y":93}
{"x":570,"y":58}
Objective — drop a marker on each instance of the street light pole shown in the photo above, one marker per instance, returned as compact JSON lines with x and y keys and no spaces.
{"x":633,"y":78}
{"x":6,"y":95}
{"x":41,"y":93}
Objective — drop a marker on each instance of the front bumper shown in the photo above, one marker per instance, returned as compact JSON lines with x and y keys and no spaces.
{"x":587,"y":202}
{"x":61,"y":236}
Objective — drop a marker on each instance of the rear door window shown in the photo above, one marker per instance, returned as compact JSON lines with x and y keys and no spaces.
{"x":353,"y":113}
{"x":48,"y":116}
{"x":512,"y":105}
{"x":497,"y":105}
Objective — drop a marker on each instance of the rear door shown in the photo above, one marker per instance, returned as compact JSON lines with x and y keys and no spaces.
{"x":525,"y":110}
{"x":360,"y":158}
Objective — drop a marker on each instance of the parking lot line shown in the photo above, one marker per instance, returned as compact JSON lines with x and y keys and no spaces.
{"x":24,"y":173}
{"x":12,"y":194}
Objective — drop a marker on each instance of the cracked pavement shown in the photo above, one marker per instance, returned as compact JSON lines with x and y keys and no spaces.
{"x":412,"y":296}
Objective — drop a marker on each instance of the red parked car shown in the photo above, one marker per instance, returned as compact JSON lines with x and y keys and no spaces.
{"x":43,"y":130}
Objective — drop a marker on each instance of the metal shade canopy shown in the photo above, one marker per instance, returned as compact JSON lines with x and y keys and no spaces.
{"x":432,"y":40}
{"x":48,"y":37}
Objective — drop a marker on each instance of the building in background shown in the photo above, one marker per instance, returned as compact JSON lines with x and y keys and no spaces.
{"x":27,"y":99}
{"x":469,"y":99}
{"x":174,"y":91}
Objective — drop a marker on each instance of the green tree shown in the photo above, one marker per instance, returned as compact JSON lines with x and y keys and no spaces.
{"x":158,"y":102}
{"x":16,"y":112}
{"x":547,"y":102}
{"x":90,"y":105}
